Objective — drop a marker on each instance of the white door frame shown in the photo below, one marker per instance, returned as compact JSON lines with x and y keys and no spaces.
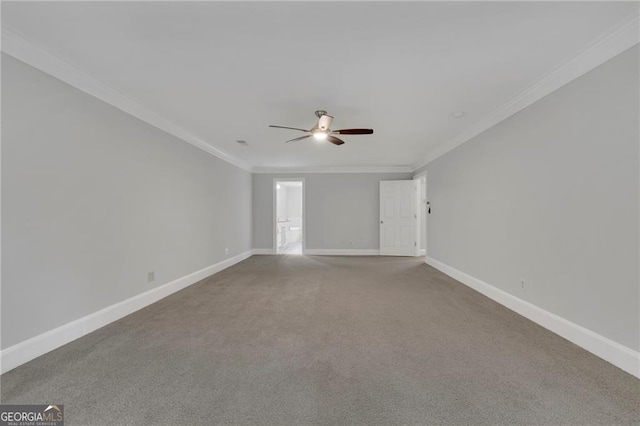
{"x":421,"y":208}
{"x":417,"y":212}
{"x":275,"y":211}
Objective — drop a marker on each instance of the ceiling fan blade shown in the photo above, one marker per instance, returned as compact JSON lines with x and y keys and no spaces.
{"x":353,"y":131}
{"x":324,"y":122}
{"x":299,"y":139}
{"x":334,"y":140}
{"x":290,"y":128}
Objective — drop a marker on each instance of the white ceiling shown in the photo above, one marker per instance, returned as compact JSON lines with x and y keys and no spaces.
{"x":225,"y":70}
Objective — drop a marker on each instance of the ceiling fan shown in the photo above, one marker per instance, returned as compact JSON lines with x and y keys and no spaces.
{"x":321,"y":131}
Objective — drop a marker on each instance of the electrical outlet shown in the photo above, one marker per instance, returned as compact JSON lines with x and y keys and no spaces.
{"x":522,"y":283}
{"x":151,"y":276}
{"x":226,"y":251}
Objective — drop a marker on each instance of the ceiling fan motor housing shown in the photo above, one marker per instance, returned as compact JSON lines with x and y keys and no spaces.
{"x":324,"y":120}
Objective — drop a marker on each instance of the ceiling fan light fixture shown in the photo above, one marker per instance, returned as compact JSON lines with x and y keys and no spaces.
{"x":322,"y":131}
{"x":320,"y":136}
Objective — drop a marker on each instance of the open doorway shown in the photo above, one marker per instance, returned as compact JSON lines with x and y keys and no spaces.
{"x":288,"y":231}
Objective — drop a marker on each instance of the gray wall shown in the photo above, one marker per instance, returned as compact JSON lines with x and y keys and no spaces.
{"x":93,"y":199}
{"x":550,"y":196}
{"x":282,"y":202}
{"x":342,"y":209}
{"x":294,"y":201}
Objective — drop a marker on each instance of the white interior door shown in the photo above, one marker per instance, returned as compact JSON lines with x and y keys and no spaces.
{"x":398,"y":218}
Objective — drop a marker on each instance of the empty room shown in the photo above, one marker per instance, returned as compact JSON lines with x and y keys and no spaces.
{"x":320,"y":213}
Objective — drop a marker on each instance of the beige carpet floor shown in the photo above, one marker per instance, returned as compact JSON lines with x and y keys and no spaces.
{"x":294,"y":340}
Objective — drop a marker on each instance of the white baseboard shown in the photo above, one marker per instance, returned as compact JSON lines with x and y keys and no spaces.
{"x":619,"y":355}
{"x":262,"y":251}
{"x":27,"y":350}
{"x":328,"y":252}
{"x":342,"y":252}
{"x":422,"y":252}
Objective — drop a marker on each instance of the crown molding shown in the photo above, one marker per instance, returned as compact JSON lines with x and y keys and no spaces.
{"x":620,"y":38}
{"x":38,"y":57}
{"x":286,"y":170}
